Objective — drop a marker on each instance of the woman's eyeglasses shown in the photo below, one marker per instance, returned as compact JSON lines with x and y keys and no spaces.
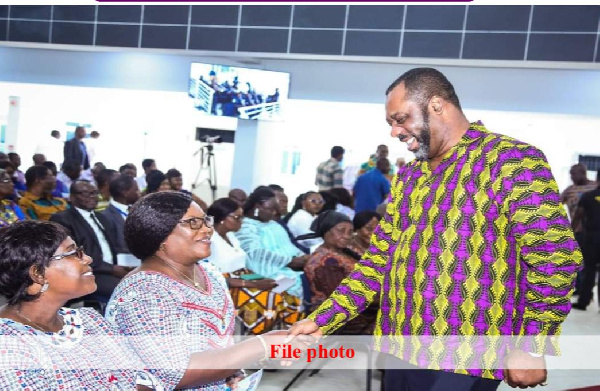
{"x":78,"y":252}
{"x":196,"y":223}
{"x":318,"y":202}
{"x":236,"y":217}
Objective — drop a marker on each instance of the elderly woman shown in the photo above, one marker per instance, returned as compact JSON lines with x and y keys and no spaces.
{"x":306,"y":208}
{"x":269,"y":250}
{"x":9,"y":211}
{"x":257,"y":306}
{"x":45,"y":346}
{"x":332,"y":262}
{"x":364,"y":224}
{"x":179,"y":312}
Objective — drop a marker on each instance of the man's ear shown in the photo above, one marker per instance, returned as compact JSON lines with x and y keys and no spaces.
{"x":437,"y":105}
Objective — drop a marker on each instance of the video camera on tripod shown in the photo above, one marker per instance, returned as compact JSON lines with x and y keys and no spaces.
{"x":211,"y":139}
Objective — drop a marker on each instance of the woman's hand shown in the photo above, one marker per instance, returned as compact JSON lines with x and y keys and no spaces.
{"x":298,"y":263}
{"x":264,"y":284}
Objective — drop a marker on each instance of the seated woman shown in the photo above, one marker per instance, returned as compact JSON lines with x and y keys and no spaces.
{"x":257,"y":306}
{"x":179,"y":311}
{"x":306,"y":208}
{"x":9,"y":211}
{"x":269,"y":250}
{"x":45,"y":346}
{"x":332,"y":262}
{"x":364,"y":224}
{"x":345,"y":203}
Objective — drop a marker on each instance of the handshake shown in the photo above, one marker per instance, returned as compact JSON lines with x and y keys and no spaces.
{"x":290,"y":345}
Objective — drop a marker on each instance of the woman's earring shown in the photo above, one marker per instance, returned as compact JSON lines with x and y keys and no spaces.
{"x":44,"y":287}
{"x":256,"y":212}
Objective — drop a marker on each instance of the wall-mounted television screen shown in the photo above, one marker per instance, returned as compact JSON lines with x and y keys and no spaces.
{"x":244,"y":93}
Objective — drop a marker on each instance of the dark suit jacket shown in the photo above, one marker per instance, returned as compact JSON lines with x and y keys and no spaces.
{"x":114,"y":216}
{"x":83,"y":234}
{"x":72,"y":151}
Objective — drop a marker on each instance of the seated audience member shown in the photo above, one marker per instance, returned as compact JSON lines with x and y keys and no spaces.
{"x":96,"y":170}
{"x":38,"y":159}
{"x":345,"y":204}
{"x":147,"y":165}
{"x":9,"y":211}
{"x":70,"y":172}
{"x":15,"y":159}
{"x":96,"y":234}
{"x":4,"y":157}
{"x":364,"y":226}
{"x":329,"y":200}
{"x":176,"y":297}
{"x":332,"y":262}
{"x":257,"y":307}
{"x":103,"y":180}
{"x":305,"y":210}
{"x":157,"y":181}
{"x":269,"y":251}
{"x":176,"y":182}
{"x":239,"y":196}
{"x":60,"y":187}
{"x":38,"y":202}
{"x":124,"y":192}
{"x":372,"y":188}
{"x":282,"y":211}
{"x":10,"y":170}
{"x":44,"y":345}
{"x":128,"y":169}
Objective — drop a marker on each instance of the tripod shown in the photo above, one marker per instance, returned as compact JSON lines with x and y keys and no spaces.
{"x":207,"y":151}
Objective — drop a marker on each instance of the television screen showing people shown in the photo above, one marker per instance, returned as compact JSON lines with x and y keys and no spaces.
{"x":244,"y":93}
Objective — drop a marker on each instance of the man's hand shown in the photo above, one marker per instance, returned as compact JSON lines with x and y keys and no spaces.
{"x":263,"y":284}
{"x":305,"y":327}
{"x":523,"y":370}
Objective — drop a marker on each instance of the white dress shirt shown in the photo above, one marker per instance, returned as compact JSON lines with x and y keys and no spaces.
{"x":107,"y":255}
{"x":299,"y":224}
{"x":228,"y":258}
{"x":141,"y":181}
{"x":122,"y":208}
{"x":52,"y":149}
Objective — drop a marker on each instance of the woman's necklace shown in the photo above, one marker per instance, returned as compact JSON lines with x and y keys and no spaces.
{"x":22,"y":315}
{"x":193,"y":281}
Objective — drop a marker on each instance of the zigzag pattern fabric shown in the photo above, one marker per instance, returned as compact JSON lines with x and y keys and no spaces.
{"x":478,"y":246}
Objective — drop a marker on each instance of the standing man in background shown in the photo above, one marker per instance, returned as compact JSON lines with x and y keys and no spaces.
{"x":75,"y":149}
{"x":92,"y":146}
{"x":330,"y":173}
{"x":372,"y":188}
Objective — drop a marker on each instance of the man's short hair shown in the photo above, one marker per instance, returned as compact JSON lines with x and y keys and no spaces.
{"x":422,"y":84}
{"x":120,"y":185}
{"x":126,"y":166}
{"x":104,"y":176}
{"x":55,"y":133}
{"x":51,"y":166}
{"x":73,"y":188}
{"x":94,"y":134}
{"x":275,"y":187}
{"x":35,"y":173}
{"x":337,"y":151}
{"x":147,"y":163}
{"x":12,"y":155}
{"x":173,"y":173}
{"x":71,"y":165}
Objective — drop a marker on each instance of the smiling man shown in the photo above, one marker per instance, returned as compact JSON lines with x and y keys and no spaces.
{"x":474,"y":242}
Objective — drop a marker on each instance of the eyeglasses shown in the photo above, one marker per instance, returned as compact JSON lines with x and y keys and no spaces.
{"x":318,"y":202}
{"x":78,"y":252}
{"x":198,"y":222}
{"x":236,"y":217}
{"x":87,"y":193}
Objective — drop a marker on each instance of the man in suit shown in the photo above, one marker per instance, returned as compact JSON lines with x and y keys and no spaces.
{"x":75,"y":149}
{"x":96,"y":234}
{"x":124,"y":192}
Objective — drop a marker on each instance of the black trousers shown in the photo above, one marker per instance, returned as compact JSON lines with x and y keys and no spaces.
{"x":591,"y":258}
{"x":411,"y":378}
